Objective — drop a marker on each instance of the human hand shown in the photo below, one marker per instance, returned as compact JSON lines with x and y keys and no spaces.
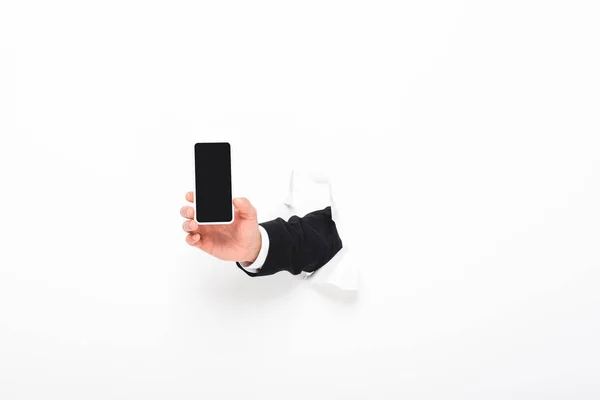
{"x":239,"y":241}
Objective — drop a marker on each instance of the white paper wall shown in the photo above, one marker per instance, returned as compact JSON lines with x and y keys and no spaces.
{"x":464,"y":138}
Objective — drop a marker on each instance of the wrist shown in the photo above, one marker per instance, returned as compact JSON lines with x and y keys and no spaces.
{"x":254,"y":249}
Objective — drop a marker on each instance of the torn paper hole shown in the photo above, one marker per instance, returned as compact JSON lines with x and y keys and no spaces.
{"x":313,"y":190}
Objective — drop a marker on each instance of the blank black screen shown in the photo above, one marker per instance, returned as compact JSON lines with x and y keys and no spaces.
{"x":213,"y":182}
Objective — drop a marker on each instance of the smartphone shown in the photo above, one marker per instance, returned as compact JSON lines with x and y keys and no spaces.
{"x":212,"y":195}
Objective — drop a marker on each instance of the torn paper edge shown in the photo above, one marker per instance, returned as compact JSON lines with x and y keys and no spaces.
{"x":339,"y":271}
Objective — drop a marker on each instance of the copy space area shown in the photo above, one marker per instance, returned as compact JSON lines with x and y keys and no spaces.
{"x":462,"y":137}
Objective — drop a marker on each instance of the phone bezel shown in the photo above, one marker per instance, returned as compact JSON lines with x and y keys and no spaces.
{"x":196,"y":189}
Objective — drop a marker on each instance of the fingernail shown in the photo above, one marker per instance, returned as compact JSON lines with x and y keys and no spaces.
{"x":188,"y":213}
{"x":196,"y":237}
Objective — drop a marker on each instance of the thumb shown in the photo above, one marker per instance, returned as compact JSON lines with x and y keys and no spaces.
{"x":244,"y":208}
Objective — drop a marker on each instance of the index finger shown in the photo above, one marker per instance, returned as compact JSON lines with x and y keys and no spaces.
{"x":189,"y":196}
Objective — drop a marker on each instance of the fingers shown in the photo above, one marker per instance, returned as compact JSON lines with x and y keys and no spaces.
{"x":187,"y":212}
{"x":244,"y":208}
{"x":190,"y":226}
{"x":193,"y":239}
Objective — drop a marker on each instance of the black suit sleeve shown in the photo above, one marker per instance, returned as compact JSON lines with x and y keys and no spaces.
{"x":300,"y":244}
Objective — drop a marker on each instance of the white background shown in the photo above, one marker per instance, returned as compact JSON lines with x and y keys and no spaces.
{"x":464,"y":136}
